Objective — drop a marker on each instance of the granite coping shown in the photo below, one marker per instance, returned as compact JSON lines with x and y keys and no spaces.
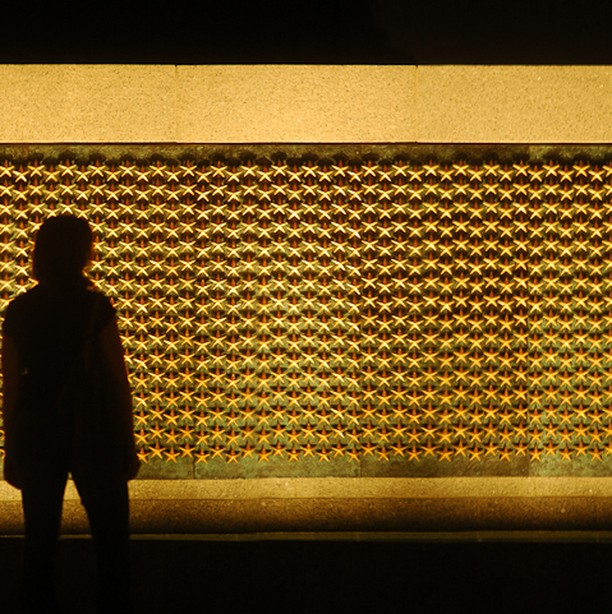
{"x":68,"y":103}
{"x":336,"y":505}
{"x":354,"y":488}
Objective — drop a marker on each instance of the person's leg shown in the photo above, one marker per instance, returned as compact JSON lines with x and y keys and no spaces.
{"x":107,"y":508}
{"x":42,"y":510}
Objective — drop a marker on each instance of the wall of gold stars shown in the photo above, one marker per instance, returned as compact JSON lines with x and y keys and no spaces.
{"x":345,"y":311}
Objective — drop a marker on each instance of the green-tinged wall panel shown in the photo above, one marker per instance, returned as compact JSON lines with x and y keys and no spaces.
{"x":347,"y":310}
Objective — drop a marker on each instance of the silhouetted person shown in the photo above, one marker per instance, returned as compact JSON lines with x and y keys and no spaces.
{"x":44,"y":332}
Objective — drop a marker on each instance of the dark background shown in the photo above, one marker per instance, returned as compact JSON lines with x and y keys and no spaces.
{"x":307,"y":31}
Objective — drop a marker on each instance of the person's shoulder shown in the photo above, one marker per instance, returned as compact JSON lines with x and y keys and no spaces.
{"x":102,"y":303}
{"x":22,"y":300}
{"x":19,"y":309}
{"x":96,"y":295}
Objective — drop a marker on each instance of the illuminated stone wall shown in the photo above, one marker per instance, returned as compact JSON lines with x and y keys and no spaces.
{"x":348,"y":311}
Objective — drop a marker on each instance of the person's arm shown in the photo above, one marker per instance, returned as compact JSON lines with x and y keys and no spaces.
{"x":11,"y":370}
{"x":110,"y":341}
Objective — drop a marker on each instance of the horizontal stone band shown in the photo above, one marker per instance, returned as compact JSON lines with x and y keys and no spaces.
{"x":350,"y":504}
{"x":298,"y":104}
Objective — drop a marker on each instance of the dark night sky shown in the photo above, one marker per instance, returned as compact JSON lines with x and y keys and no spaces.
{"x":308,"y":31}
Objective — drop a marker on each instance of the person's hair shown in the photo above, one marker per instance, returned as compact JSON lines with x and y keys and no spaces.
{"x":62,"y":250}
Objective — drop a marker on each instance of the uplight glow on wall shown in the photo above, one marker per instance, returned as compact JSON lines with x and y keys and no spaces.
{"x":335,"y":311}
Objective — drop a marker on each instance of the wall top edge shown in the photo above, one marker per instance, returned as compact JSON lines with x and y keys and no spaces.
{"x":605,"y":67}
{"x":357,"y":488}
{"x":416,"y":151}
{"x":305,"y":103}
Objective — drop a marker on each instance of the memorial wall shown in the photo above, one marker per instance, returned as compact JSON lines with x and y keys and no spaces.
{"x":359,"y":310}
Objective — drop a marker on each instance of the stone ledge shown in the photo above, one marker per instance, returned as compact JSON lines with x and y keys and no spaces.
{"x":302,"y":103}
{"x":353,"y":505}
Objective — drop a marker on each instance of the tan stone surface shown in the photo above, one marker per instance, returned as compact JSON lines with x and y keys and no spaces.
{"x":349,"y":504}
{"x":296,"y":104}
{"x":86,"y":103}
{"x":354,"y":488}
{"x":372,"y":488}
{"x":292,"y":104}
{"x":515,"y":104}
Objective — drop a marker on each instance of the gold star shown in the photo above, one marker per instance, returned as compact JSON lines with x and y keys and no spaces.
{"x":278,"y":449}
{"x":383,"y":453}
{"x":460,"y":448}
{"x":338,"y":449}
{"x":429,"y":449}
{"x":413,"y":453}
{"x":475,"y":453}
{"x":581,"y":449}
{"x":217,"y":451}
{"x":368,"y":449}
{"x":140,"y":438}
{"x":294,"y":454}
{"x":232,"y":455}
{"x":491,"y":449}
{"x":535,"y":453}
{"x":264,"y":454}
{"x":201,"y":456}
{"x":171,"y":437}
{"x":309,"y":449}
{"x":446,"y":454}
{"x":323,"y":454}
{"x":520,"y":448}
{"x":550,"y":447}
{"x":186,"y":450}
{"x":172,"y":455}
{"x":248,"y":450}
{"x":156,"y":451}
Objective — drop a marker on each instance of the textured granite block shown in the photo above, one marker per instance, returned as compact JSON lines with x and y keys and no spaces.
{"x":86,"y":103}
{"x":296,"y":104}
{"x":305,"y":103}
{"x":514,"y":104}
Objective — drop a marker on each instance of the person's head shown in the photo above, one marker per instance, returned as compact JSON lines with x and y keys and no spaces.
{"x":62,"y":250}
